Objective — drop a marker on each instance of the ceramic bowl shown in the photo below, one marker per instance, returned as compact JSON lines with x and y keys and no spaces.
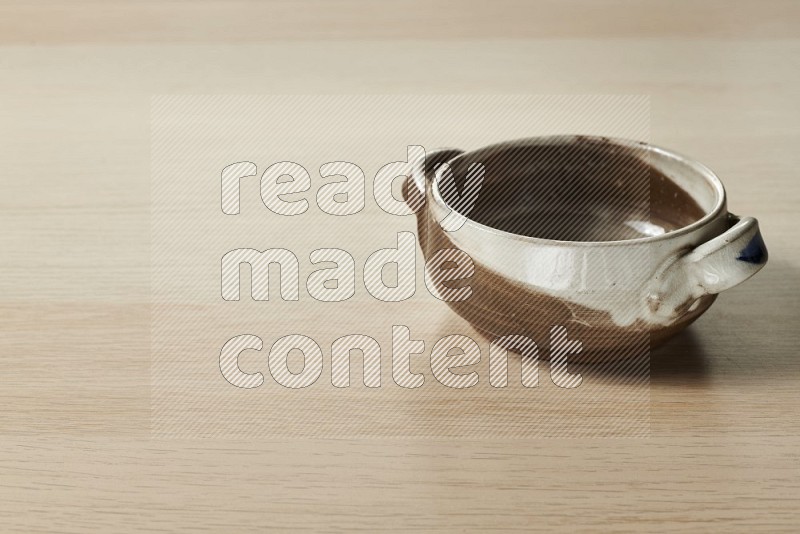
{"x":622,"y":243}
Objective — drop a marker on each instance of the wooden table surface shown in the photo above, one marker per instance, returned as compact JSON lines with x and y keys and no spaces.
{"x":75,"y":405}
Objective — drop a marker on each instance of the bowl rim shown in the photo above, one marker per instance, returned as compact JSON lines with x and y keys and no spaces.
{"x":701,"y":169}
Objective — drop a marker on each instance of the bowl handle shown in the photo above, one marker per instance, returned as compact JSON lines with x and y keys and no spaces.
{"x":719,"y":264}
{"x":422,"y":169}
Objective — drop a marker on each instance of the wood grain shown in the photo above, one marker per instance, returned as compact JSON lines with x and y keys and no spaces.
{"x":75,"y":411}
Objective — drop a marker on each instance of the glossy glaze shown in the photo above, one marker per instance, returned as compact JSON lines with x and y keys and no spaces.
{"x":614,"y":294}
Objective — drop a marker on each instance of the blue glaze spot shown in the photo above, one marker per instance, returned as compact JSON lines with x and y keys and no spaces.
{"x":755,"y":251}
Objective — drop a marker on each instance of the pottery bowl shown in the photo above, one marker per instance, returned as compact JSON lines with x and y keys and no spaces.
{"x":621,"y":243}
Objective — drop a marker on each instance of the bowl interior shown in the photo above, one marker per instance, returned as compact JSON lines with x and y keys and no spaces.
{"x":577,"y":189}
